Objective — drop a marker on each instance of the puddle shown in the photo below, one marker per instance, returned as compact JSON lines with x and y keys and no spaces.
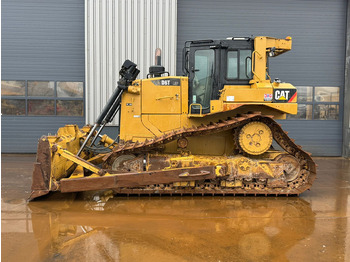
{"x":101,"y":228}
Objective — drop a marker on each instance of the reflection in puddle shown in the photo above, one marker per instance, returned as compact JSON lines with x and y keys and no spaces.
{"x":101,"y":228}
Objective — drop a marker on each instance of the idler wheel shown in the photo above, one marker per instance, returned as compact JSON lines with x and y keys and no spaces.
{"x":291,"y":166}
{"x":118,"y":163}
{"x":255,"y":138}
{"x":182,"y":143}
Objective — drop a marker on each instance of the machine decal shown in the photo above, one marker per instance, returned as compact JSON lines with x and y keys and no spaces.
{"x":284,"y":95}
{"x":267,"y":97}
{"x":194,"y":99}
{"x":166,"y":82}
{"x":128,"y":104}
{"x":230,"y":98}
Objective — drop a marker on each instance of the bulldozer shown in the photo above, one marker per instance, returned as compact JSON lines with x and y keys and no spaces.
{"x":209,"y":132}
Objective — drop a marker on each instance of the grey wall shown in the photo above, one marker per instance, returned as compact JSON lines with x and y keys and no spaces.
{"x":321,"y":138}
{"x":41,"y":40}
{"x":346,"y":130}
{"x":317,"y":29}
{"x":21,"y":134}
{"x":317,"y":57}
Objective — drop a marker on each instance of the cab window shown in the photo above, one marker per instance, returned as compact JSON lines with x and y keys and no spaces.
{"x":203,"y":77}
{"x":239,"y":64}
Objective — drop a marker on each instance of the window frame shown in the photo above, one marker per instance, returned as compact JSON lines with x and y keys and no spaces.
{"x":238,"y":50}
{"x":30,"y":96}
{"x":314,"y":103}
{"x":26,"y":97}
{"x":25,"y":87}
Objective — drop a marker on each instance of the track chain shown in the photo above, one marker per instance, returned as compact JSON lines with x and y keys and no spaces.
{"x":295,"y":187}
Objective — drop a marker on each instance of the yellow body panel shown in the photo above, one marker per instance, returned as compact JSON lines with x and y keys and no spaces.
{"x":147,"y":113}
{"x":216,"y":106}
{"x":154,"y":106}
{"x":234,"y":97}
{"x":245,"y":94}
{"x":165,"y":123}
{"x":160,"y":98}
{"x":217,"y":144}
{"x":155,"y":109}
{"x":184,"y":94}
{"x":131,"y":126}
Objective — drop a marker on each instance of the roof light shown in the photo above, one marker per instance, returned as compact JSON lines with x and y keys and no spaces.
{"x":238,"y":38}
{"x":288,"y":38}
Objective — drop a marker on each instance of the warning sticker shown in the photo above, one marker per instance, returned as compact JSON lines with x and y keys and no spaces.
{"x":230,"y":98}
{"x":267,"y":97}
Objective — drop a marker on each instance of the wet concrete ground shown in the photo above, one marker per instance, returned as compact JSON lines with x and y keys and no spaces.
{"x":91,"y":227}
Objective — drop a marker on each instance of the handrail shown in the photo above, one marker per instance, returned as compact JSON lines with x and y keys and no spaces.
{"x":200,"y":110}
{"x":253,"y":63}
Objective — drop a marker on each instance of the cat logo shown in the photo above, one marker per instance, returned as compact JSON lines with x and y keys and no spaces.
{"x":284,"y":95}
{"x":281,"y":95}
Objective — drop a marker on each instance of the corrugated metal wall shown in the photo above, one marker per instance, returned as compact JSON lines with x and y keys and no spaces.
{"x":318,"y":28}
{"x":125,"y":29}
{"x":41,"y":40}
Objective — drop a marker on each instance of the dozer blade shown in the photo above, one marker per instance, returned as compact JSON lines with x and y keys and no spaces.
{"x":44,"y":180}
{"x":42,"y":170}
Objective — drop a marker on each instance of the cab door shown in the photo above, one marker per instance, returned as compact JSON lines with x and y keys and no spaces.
{"x":201,"y":78}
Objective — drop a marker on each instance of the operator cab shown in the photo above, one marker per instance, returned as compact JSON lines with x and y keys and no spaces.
{"x":212,"y":64}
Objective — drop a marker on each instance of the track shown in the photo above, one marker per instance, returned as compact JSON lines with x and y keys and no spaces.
{"x":303,"y":182}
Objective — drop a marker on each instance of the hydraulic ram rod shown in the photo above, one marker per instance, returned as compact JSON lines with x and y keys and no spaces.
{"x":104,"y":117}
{"x":128,"y":73}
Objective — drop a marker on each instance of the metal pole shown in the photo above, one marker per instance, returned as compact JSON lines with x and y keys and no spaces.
{"x":97,"y":135}
{"x":87,"y":139}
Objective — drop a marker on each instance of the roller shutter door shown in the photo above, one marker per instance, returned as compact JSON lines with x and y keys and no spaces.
{"x":315,"y":63}
{"x":42,"y":56}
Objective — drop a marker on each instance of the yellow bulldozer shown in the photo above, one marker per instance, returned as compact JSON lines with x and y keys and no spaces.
{"x":210,"y":132}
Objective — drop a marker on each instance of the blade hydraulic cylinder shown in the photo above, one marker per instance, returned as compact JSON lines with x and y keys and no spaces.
{"x":106,"y":116}
{"x":128,"y":73}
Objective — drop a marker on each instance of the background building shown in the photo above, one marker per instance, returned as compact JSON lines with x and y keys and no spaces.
{"x":60,"y":59}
